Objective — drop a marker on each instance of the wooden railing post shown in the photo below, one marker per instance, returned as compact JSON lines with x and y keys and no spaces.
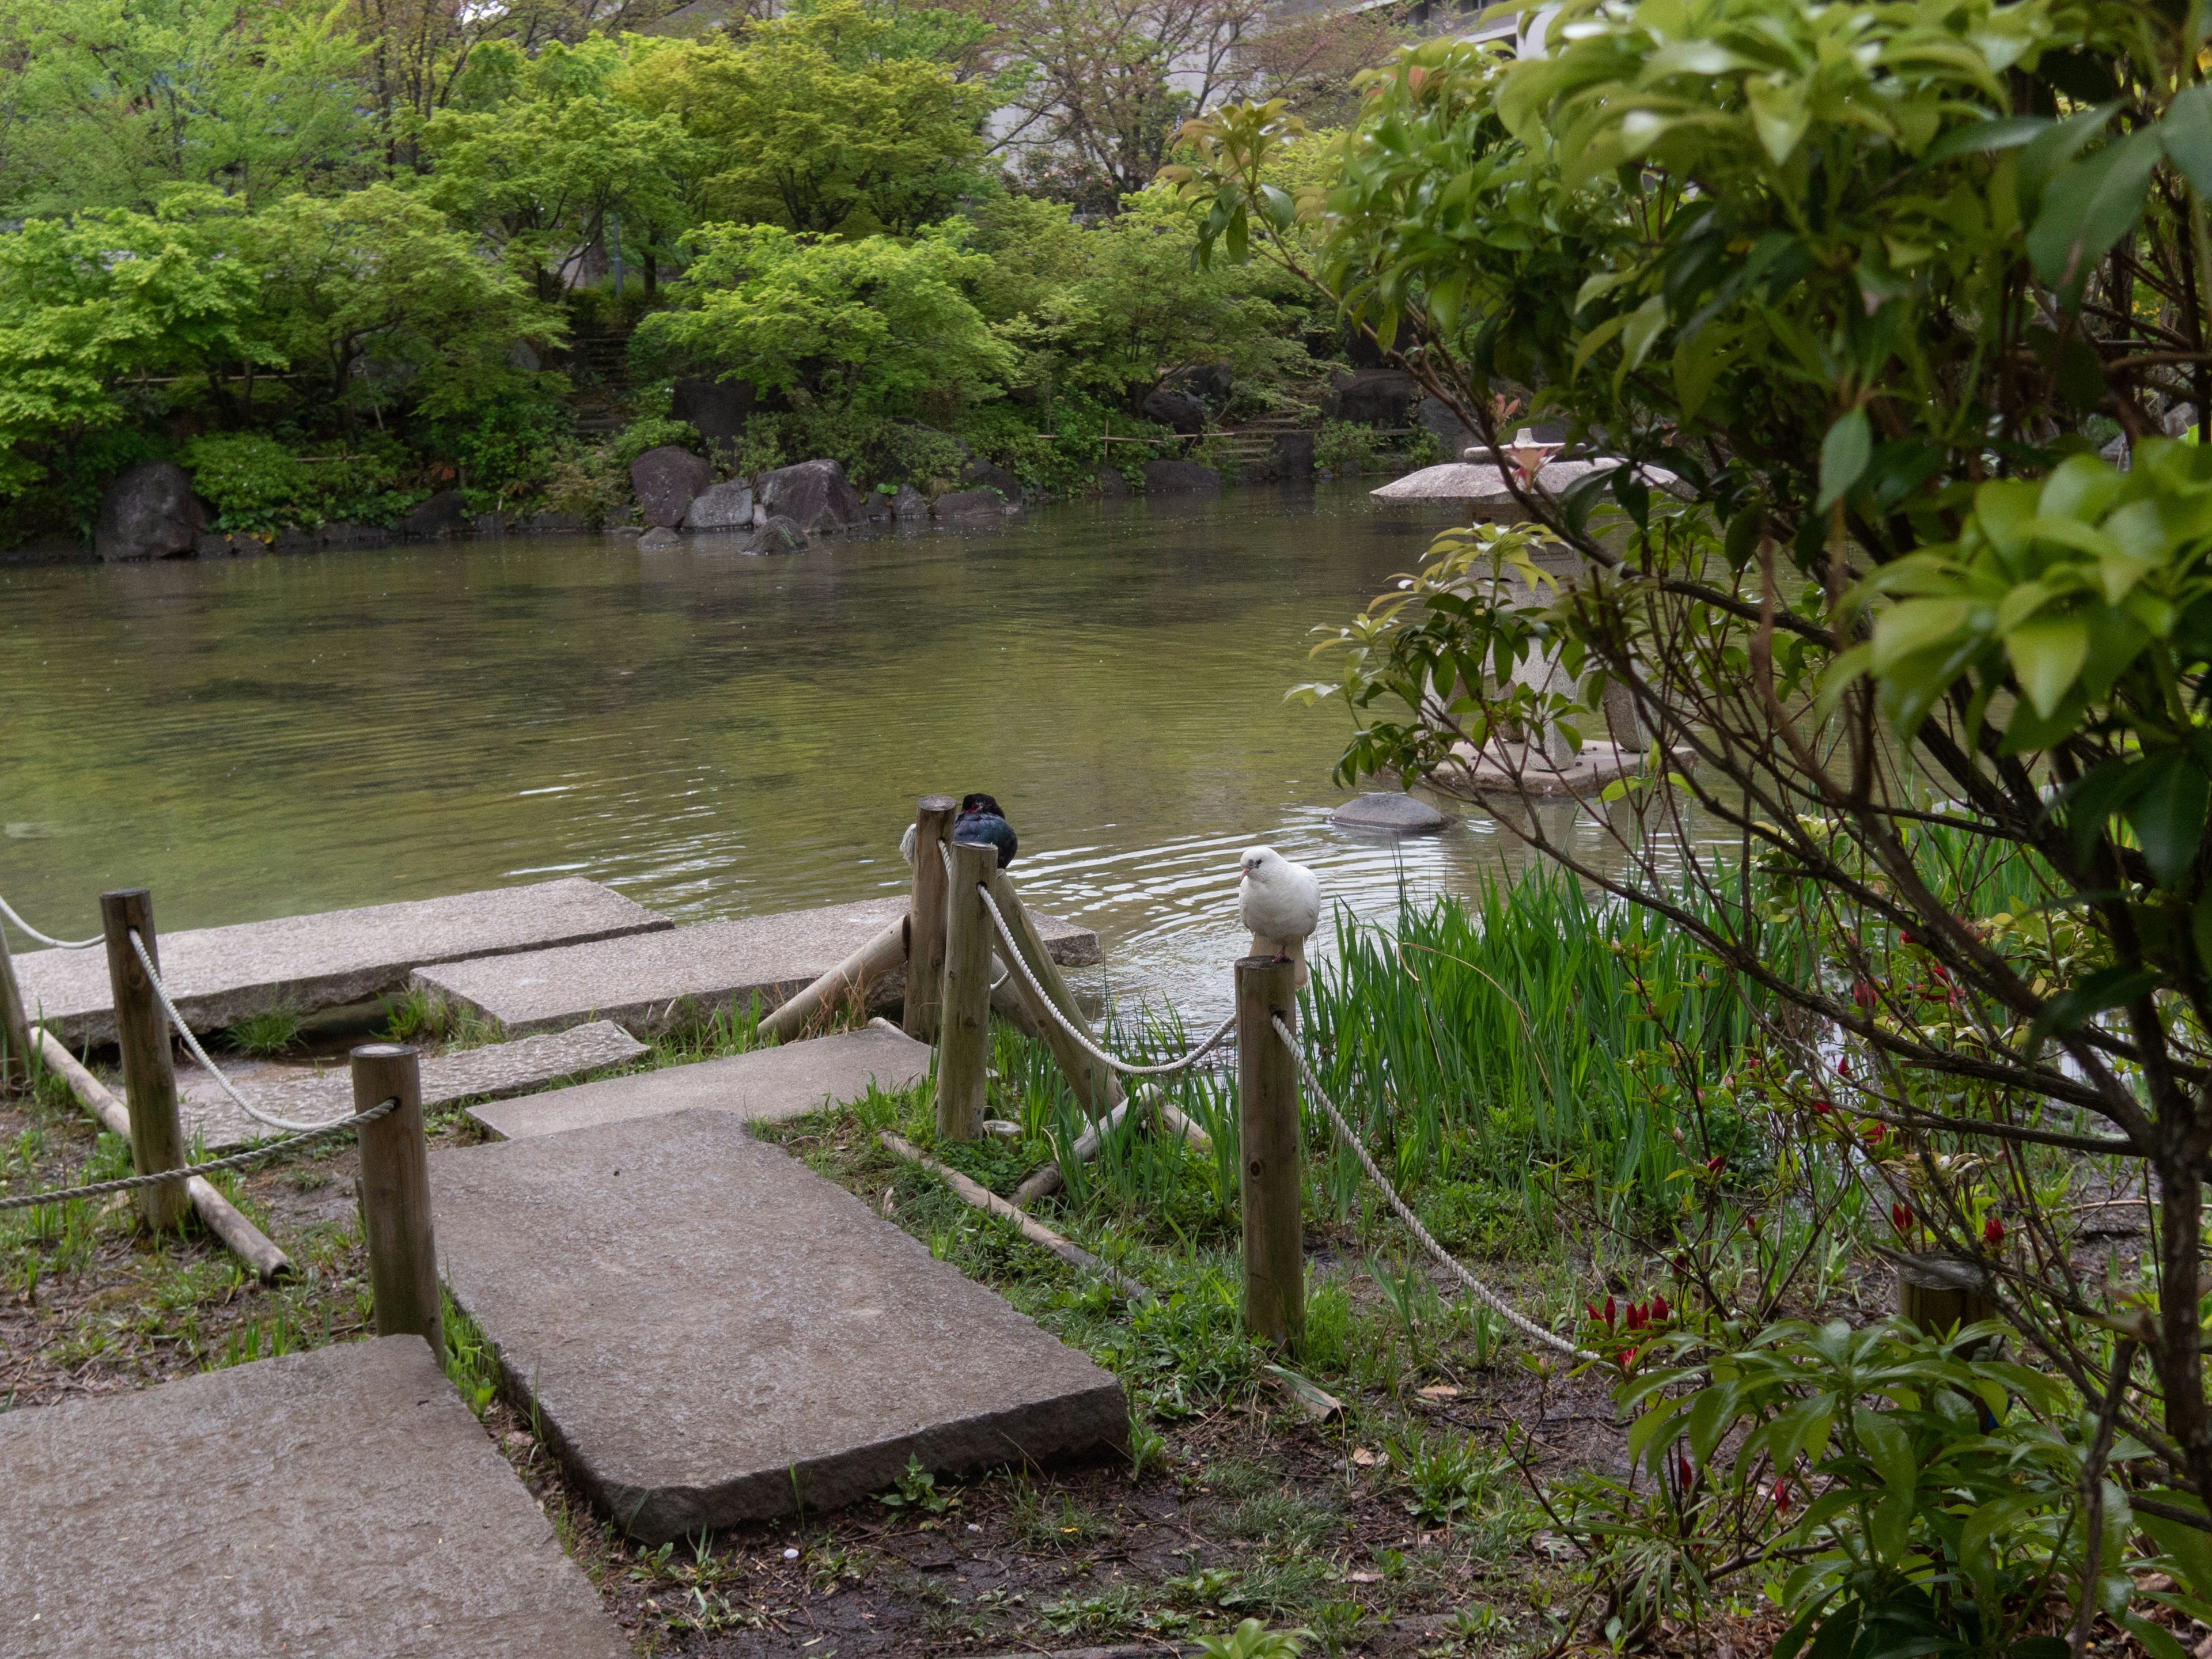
{"x":1097,"y":1089}
{"x":1267,"y":1125}
{"x":963,"y":1036}
{"x":14,"y":1029}
{"x":395,"y":1196}
{"x":925,"y":915}
{"x":150,"y":1073}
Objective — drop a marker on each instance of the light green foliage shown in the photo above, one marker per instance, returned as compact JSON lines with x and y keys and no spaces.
{"x":267,"y":1032}
{"x":539,"y":152}
{"x":1251,"y":1639}
{"x":808,"y":121}
{"x":115,"y":104}
{"x":252,"y":482}
{"x":878,"y":325}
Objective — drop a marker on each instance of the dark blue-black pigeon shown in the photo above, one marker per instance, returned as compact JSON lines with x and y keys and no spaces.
{"x":980,"y":823}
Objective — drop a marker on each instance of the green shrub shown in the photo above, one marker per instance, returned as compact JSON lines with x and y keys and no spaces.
{"x":655,"y":432}
{"x":254,"y":484}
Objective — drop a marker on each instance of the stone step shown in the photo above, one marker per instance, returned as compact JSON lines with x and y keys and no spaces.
{"x":710,"y":1333}
{"x":491,"y":1073}
{"x":770,"y":1084}
{"x":656,"y":983}
{"x":218,"y":974}
{"x":341,"y":1503}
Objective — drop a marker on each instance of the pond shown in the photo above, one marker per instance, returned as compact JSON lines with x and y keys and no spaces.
{"x":715,"y":735}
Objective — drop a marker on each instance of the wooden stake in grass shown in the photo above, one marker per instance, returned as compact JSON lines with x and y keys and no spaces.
{"x":15,"y":1029}
{"x":963,"y":1037}
{"x":1268,"y":1122}
{"x":1097,"y":1089}
{"x":150,"y":1073}
{"x":395,"y":1196}
{"x":924,"y":953}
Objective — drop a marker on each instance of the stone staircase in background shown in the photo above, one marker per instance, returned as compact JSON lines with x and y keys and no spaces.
{"x":599,"y":363}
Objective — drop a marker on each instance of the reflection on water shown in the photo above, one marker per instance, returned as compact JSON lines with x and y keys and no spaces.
{"x":715,"y":735}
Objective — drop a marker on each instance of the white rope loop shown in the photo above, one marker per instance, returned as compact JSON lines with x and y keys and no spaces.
{"x":1020,"y":965}
{"x":1527,"y":1326}
{"x":161,"y":993}
{"x":9,"y":911}
{"x":236,"y":1160}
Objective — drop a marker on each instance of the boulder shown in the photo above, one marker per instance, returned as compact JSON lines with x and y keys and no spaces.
{"x":215,"y":544}
{"x":488,"y":524}
{"x":815,"y":496}
{"x":972,"y":504}
{"x":1110,"y":483}
{"x":1178,"y":409}
{"x":1452,"y":434}
{"x":1211,"y":383}
{"x":725,"y":507}
{"x":666,"y":480}
{"x":1180,"y":478}
{"x":343,"y":534}
{"x":441,"y":515}
{"x":1389,"y":811}
{"x":49,"y":549}
{"x":989,"y":476}
{"x":909,"y":503}
{"x":2177,"y":421}
{"x":718,"y":410}
{"x":555,"y":524}
{"x":149,"y":512}
{"x":659,"y":539}
{"x":291,"y":540}
{"x":1292,"y":455}
{"x":778,"y":535}
{"x":1372,"y":397}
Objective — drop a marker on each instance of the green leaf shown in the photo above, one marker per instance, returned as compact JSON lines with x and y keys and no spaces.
{"x":2046,"y":658}
{"x":2088,"y":208}
{"x":1844,"y":455}
{"x":2168,"y":815}
{"x":1982,"y":138}
{"x":2190,"y":1548}
{"x":2101,"y":792}
{"x":2156,"y":1638}
{"x":2187,"y":134}
{"x":2108,"y":988}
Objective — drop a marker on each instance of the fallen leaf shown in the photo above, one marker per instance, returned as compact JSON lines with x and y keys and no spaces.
{"x":1438,"y":1391}
{"x":1369,"y":1460}
{"x":1364,"y":1577}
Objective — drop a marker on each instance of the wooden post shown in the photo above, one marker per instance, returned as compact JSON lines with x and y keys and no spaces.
{"x":846,"y":982}
{"x":149,"y":1075}
{"x":963,"y":1035}
{"x":925,"y":915}
{"x":1268,"y":1122}
{"x":395,"y":1196}
{"x":1941,"y":1293}
{"x":15,"y":1029}
{"x":1097,"y":1089}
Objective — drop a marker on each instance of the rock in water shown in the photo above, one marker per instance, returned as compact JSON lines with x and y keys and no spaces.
{"x":659,"y":539}
{"x":972,"y":504}
{"x":1180,"y":478}
{"x":725,"y":507}
{"x":1396,"y":813}
{"x":778,"y":535}
{"x":666,"y":480}
{"x":443,"y":514}
{"x":909,"y":503}
{"x":816,"y":495}
{"x":989,"y":475}
{"x":149,"y":512}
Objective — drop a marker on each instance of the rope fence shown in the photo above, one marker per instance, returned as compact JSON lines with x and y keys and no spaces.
{"x":9,"y":911}
{"x":235,"y":1160}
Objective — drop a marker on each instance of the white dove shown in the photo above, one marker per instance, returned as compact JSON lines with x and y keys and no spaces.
{"x":1280,"y":903}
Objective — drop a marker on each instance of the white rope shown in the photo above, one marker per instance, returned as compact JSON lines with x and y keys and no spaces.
{"x":1020,"y":964}
{"x":68,"y":1195}
{"x":1497,"y":1304}
{"x":9,"y":911}
{"x":199,"y":1053}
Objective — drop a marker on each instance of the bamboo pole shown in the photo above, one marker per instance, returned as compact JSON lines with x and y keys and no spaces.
{"x":1033,"y":1229}
{"x":848,"y":979}
{"x":924,"y":956}
{"x":1097,"y":1089}
{"x":1267,"y":1123}
{"x":149,"y":1075}
{"x":395,"y":1196}
{"x":963,"y":1036}
{"x":15,"y":1029}
{"x":217,"y":1213}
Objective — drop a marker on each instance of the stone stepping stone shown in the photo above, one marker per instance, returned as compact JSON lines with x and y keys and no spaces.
{"x":218,"y":974}
{"x":341,"y":1503}
{"x":711,"y":1333}
{"x":493,"y":1071}
{"x":655,"y":982}
{"x":771,"y":1084}
{"x":1390,"y":812}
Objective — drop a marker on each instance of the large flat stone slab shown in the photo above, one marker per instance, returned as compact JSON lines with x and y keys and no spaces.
{"x":218,"y":974}
{"x":493,"y":1071}
{"x":710,"y":1331}
{"x":655,"y":983}
{"x":341,"y":1503}
{"x":789,"y":1081}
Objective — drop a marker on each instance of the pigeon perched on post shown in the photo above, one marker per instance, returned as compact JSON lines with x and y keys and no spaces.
{"x":1280,"y":903}
{"x":980,"y":823}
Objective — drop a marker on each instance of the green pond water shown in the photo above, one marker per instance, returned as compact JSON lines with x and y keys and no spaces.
{"x":712,"y":734}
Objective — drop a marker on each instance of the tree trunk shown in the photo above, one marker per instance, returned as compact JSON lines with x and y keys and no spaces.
{"x":2180,"y":1342}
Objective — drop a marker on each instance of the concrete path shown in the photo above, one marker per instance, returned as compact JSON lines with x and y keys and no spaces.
{"x":711,"y":1332}
{"x":341,"y":1503}
{"x":218,"y":974}
{"x":493,"y":1071}
{"x":657,"y":981}
{"x":789,"y":1081}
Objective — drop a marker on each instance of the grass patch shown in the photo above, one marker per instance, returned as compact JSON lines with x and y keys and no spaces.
{"x":272,"y":1031}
